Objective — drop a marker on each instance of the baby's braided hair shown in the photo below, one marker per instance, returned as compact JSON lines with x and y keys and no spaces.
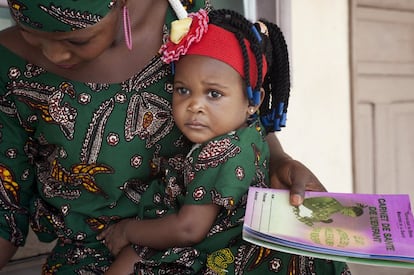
{"x":272,"y":45}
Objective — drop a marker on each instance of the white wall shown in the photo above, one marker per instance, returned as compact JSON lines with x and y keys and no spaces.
{"x":5,"y":19}
{"x":318,"y":131}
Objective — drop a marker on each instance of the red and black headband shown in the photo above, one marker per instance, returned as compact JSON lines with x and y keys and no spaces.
{"x":213,"y":41}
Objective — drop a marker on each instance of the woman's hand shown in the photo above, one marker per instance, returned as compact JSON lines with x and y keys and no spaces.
{"x":293,"y":175}
{"x":287,"y":173}
{"x":114,"y":237}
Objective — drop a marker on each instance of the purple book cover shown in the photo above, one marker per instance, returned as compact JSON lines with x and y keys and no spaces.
{"x":356,"y":225}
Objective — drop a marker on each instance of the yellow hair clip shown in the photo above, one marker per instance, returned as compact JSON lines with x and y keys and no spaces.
{"x":180,"y":27}
{"x":263,"y":28}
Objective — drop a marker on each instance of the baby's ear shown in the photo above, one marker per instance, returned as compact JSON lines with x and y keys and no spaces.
{"x":262,"y":96}
{"x":253,"y":108}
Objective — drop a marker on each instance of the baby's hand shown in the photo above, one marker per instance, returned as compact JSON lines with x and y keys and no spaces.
{"x":114,"y":237}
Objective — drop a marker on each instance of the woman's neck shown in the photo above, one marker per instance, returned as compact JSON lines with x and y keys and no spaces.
{"x":117,"y":63}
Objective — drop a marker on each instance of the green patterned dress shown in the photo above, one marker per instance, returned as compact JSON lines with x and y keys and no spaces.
{"x":75,"y":157}
{"x":219,"y":172}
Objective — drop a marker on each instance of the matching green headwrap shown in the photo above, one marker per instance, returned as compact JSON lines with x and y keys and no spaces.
{"x":59,"y":15}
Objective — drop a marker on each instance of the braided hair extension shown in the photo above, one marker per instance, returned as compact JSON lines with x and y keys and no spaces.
{"x":242,"y":29}
{"x":272,"y":45}
{"x":277,"y":79}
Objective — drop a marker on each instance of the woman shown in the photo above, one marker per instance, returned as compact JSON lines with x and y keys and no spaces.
{"x":82,"y":89}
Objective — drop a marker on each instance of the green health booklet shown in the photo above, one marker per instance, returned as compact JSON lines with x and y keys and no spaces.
{"x":374,"y":229}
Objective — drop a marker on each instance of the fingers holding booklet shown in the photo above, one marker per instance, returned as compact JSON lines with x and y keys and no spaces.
{"x":374,"y":229}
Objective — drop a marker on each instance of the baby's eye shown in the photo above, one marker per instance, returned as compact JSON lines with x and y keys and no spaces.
{"x":214,"y":94}
{"x":182,"y":91}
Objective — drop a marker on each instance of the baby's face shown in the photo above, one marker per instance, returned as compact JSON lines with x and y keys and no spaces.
{"x":209,"y":98}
